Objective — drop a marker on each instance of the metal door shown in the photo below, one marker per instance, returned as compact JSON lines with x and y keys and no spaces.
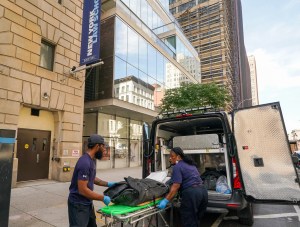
{"x":33,"y":151}
{"x":264,"y":156}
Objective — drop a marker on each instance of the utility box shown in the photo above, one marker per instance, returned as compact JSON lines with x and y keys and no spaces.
{"x":7,"y":141}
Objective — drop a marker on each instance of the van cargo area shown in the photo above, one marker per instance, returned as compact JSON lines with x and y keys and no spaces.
{"x":203,"y":139}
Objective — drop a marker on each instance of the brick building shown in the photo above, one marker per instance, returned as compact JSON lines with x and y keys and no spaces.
{"x":39,"y":99}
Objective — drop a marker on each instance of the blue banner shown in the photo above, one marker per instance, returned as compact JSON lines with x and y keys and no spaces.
{"x":90,"y":36}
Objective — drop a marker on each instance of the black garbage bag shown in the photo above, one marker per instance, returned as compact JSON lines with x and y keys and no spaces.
{"x":136,"y":191}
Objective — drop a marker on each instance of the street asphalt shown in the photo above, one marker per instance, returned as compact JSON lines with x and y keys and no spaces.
{"x":43,"y":203}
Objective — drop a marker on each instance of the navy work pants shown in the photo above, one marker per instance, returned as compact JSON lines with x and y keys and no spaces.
{"x":81,"y":215}
{"x":193,"y":205}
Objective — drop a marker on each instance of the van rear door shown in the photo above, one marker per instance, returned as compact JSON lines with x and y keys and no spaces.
{"x":264,"y":156}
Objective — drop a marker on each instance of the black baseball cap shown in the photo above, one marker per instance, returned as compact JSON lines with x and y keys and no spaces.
{"x":96,"y":139}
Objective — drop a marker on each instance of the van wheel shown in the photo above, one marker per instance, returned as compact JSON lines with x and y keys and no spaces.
{"x":246,"y":215}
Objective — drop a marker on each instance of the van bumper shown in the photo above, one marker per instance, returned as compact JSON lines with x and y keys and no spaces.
{"x":236,"y":202}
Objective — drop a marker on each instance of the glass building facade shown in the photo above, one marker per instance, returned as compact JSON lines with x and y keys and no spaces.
{"x":144,"y":53}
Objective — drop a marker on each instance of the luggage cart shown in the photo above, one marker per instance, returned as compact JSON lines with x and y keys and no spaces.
{"x":132,"y":216}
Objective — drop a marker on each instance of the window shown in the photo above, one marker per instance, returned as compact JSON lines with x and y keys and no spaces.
{"x":47,"y":55}
{"x":59,"y":1}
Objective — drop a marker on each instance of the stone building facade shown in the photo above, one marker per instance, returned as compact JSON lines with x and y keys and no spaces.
{"x":39,"y":98}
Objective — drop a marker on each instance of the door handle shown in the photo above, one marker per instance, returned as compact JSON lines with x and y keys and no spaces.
{"x":37,"y":158}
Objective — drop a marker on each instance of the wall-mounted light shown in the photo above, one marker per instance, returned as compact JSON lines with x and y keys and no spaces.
{"x":45,"y":96}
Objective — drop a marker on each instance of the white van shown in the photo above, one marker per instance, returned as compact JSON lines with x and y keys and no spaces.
{"x":249,"y":146}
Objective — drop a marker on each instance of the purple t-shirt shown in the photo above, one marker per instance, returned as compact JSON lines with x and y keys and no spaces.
{"x":186,"y":175}
{"x":85,"y":169}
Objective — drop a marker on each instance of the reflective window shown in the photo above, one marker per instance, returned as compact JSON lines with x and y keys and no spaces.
{"x":47,"y":55}
{"x":133,"y":5}
{"x":160,"y":67}
{"x":142,"y":68}
{"x":126,"y":2}
{"x":150,"y":17}
{"x":155,"y":20}
{"x":121,"y":39}
{"x":89,"y":126}
{"x":120,"y":68}
{"x":143,"y":77}
{"x":143,"y":55}
{"x":144,"y":11}
{"x":133,"y":41}
{"x":138,"y":6}
{"x":104,"y":125}
{"x":122,"y":127}
{"x":151,"y":61}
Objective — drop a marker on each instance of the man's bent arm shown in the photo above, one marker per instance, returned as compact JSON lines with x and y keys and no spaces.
{"x":100,"y":182}
{"x":88,"y":193}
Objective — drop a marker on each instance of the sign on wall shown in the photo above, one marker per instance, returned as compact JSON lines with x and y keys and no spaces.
{"x":90,"y":36}
{"x":75,"y":153}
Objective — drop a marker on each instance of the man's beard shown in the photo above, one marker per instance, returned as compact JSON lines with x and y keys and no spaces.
{"x":99,"y":155}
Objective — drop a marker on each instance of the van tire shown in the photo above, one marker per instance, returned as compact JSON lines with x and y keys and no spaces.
{"x":246,"y":215}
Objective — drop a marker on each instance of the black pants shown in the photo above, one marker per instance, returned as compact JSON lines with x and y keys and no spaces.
{"x":193,"y":205}
{"x":81,"y":215}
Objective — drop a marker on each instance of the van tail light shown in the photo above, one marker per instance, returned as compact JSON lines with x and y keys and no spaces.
{"x":236,"y":178}
{"x":233,"y":205}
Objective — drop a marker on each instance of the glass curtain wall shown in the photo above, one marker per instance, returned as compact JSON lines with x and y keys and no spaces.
{"x":186,"y":59}
{"x":139,"y":68}
{"x":154,"y":21}
{"x":123,"y":137}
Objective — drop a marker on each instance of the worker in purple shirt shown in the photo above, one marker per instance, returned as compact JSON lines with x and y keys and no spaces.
{"x":81,"y":196}
{"x":186,"y":178}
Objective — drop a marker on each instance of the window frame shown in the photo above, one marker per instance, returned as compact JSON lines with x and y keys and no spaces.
{"x":48,"y":66}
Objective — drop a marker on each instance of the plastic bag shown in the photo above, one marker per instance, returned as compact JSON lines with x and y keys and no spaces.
{"x":158,"y":176}
{"x":222,"y":186}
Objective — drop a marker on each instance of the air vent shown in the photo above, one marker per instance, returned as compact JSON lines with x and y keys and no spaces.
{"x":35,"y":112}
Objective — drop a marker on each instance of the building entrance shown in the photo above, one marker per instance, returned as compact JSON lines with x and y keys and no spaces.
{"x":33,"y":152}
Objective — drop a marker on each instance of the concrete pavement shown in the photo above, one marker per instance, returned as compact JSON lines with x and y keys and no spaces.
{"x":43,"y":203}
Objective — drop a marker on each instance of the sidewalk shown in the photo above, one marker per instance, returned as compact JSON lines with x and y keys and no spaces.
{"x":43,"y":203}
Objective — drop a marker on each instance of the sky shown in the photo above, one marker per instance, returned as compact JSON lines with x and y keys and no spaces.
{"x":272,"y":35}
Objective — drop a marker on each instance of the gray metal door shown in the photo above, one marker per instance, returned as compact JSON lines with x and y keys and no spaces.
{"x":264,"y":155}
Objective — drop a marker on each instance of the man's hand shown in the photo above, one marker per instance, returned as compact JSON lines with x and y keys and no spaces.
{"x":106,"y":200}
{"x":110,"y":184}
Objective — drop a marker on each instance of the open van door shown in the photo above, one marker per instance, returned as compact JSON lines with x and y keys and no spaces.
{"x":264,"y":156}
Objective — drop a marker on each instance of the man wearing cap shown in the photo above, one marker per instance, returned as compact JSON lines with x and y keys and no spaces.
{"x":81,"y":196}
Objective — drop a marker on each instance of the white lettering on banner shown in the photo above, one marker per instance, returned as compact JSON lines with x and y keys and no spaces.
{"x":93,"y":27}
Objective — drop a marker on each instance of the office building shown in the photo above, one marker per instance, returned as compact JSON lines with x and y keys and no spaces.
{"x":214,"y":27}
{"x":144,"y":53}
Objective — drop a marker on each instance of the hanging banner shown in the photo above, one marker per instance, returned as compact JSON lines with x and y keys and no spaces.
{"x":90,"y":36}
